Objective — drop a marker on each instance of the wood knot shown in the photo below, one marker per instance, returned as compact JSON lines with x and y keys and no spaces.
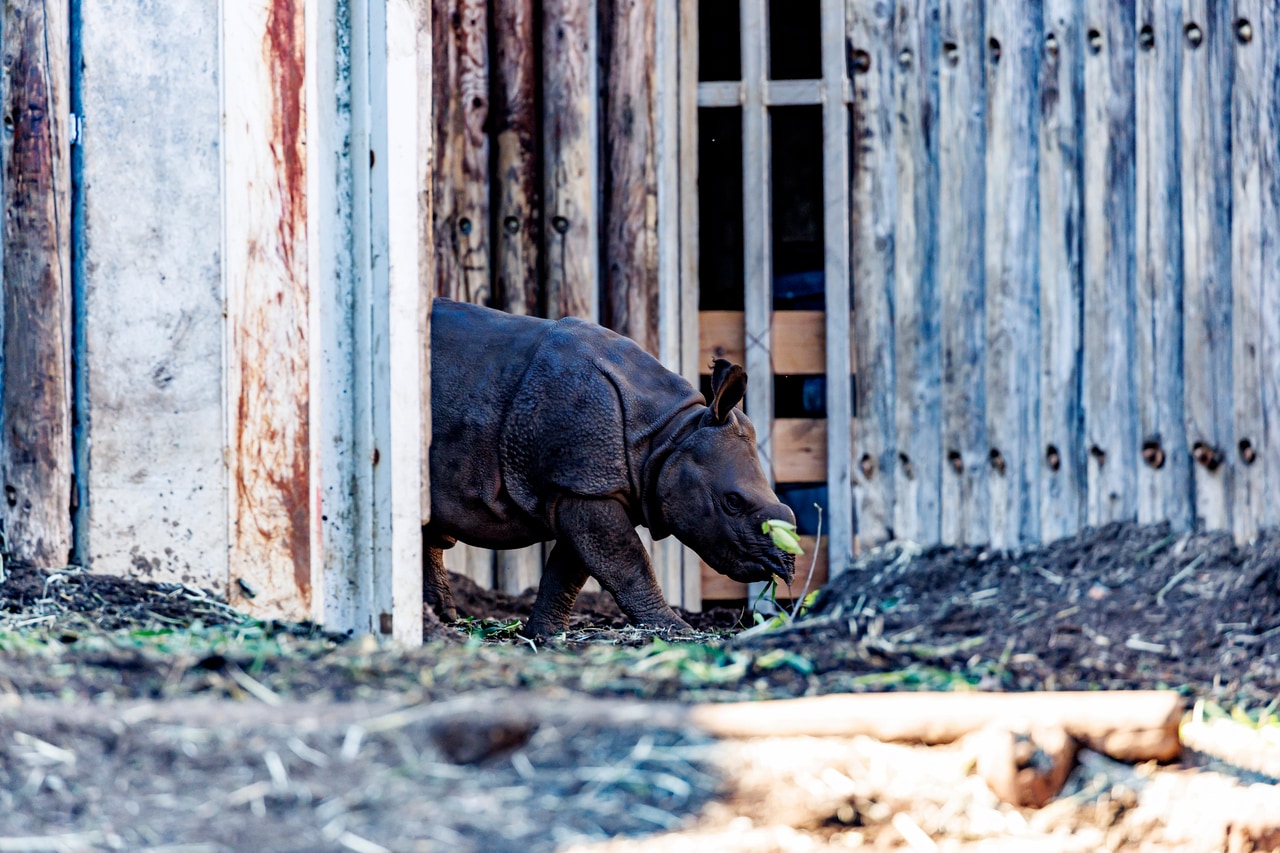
{"x":1248,"y":453}
{"x":907,"y":468}
{"x":993,"y":45}
{"x":560,"y":224}
{"x":868,"y":465}
{"x":1208,"y":456}
{"x":951,"y":51}
{"x":1146,"y":37}
{"x":1244,"y":31}
{"x":1194,"y":35}
{"x":1095,"y":42}
{"x":860,"y":62}
{"x":1099,"y":455}
{"x":1052,"y":457}
{"x":997,"y":461}
{"x":1153,"y":453}
{"x":956,"y":460}
{"x":1051,"y":44}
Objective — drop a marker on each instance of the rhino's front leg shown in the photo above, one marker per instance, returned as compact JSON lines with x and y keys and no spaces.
{"x":435,"y":584}
{"x":601,"y":539}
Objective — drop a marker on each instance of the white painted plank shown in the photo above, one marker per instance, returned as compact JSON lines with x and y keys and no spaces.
{"x":1164,"y":477}
{"x":151,"y":240}
{"x":1014,"y":48}
{"x":1269,"y":145}
{"x":1061,"y":283}
{"x":917,"y":355}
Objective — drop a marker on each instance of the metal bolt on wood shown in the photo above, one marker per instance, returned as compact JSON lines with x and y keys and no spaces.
{"x":1153,"y":453}
{"x":1146,"y":37}
{"x":1244,"y":31}
{"x":1194,"y":35}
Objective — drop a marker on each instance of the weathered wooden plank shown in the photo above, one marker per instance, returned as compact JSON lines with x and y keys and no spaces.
{"x":800,"y":450}
{"x":836,"y":275}
{"x":873,"y":206}
{"x":570,"y":158}
{"x":630,"y":179}
{"x":1164,"y":477}
{"x":916,"y":310}
{"x":1061,"y":284}
{"x":517,"y":223}
{"x":268,"y":299}
{"x":799,"y":340}
{"x":514,"y":116}
{"x":1269,"y":146}
{"x":460,"y":82}
{"x":717,"y":587}
{"x":1204,"y":114}
{"x":1110,"y":416}
{"x":1014,"y":47}
{"x":35,"y":313}
{"x":1249,"y":482}
{"x":688,"y":109}
{"x":426,"y":221}
{"x":961,"y":267}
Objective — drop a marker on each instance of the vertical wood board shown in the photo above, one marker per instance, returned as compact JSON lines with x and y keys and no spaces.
{"x":1109,"y":407}
{"x":873,"y":203}
{"x":1061,"y":164}
{"x":1164,"y":475}
{"x":1204,"y":113}
{"x":961,"y":268}
{"x":1269,"y":354}
{"x":35,"y":312}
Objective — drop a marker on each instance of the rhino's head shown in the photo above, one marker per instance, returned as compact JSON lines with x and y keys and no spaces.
{"x":714,"y":495}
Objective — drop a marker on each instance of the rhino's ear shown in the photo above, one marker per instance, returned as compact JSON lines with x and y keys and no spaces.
{"x":728,"y":387}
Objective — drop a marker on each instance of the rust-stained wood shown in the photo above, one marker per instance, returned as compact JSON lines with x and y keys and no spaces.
{"x":799,"y":340}
{"x":1014,"y":48}
{"x":514,"y":116}
{"x":35,"y":317}
{"x":267,"y":303}
{"x":460,"y":93}
{"x":1164,"y":474}
{"x":917,"y":355}
{"x":1110,"y":418}
{"x":717,"y":587}
{"x":873,"y":203}
{"x":517,"y":213}
{"x":1248,"y":96}
{"x":630,"y":176}
{"x":961,"y":266}
{"x":1060,"y":172}
{"x":570,"y":159}
{"x":1204,"y":114}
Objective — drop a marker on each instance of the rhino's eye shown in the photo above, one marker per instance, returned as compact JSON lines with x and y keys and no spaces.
{"x":734,"y":503}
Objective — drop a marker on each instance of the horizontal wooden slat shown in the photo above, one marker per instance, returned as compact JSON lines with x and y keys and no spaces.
{"x":799,"y":340}
{"x":800,"y":449}
{"x":716,"y":586}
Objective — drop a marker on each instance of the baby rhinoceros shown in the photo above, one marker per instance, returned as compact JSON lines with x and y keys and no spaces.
{"x":565,"y":430}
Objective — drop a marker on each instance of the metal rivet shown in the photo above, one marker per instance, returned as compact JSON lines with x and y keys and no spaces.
{"x":1146,"y":37}
{"x":1095,"y":42}
{"x":1194,"y":35}
{"x":952,"y":52}
{"x":1051,"y":44}
{"x":1208,"y":456}
{"x":511,"y":225}
{"x":861,"y":62}
{"x":1052,"y":457}
{"x":904,"y":59}
{"x":464,"y":225}
{"x":1153,"y":453}
{"x":993,"y":45}
{"x":1244,"y":31}
{"x":560,"y":224}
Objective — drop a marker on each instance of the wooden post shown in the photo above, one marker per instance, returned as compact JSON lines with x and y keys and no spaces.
{"x":1014,"y":48}
{"x":570,"y":159}
{"x":1061,"y":449}
{"x":1111,"y":429}
{"x":1248,"y":327}
{"x":1204,"y":112}
{"x":1269,"y":145}
{"x":516,"y":222}
{"x":1164,"y":475}
{"x":630,"y":191}
{"x":961,"y":267}
{"x":873,"y":203}
{"x":35,"y":316}
{"x":916,"y":315}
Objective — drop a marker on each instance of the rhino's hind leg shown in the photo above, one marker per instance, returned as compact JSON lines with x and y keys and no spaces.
{"x":604,"y":541}
{"x":562,"y":580}
{"x":435,"y":584}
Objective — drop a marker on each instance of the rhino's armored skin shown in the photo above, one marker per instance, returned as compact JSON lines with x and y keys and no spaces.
{"x":564,"y":430}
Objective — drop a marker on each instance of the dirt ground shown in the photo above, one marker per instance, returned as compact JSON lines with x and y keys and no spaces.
{"x":141,"y":716}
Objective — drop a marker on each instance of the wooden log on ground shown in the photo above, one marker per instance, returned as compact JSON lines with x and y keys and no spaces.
{"x":35,"y":318}
{"x":1025,"y":766}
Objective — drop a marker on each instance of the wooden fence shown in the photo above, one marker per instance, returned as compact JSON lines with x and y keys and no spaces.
{"x":1074,"y":293}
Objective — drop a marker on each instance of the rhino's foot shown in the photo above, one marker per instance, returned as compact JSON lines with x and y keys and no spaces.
{"x":542,"y":628}
{"x":668,"y":621}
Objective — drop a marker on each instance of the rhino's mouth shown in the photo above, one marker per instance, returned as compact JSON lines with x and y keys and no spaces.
{"x":782,"y":566}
